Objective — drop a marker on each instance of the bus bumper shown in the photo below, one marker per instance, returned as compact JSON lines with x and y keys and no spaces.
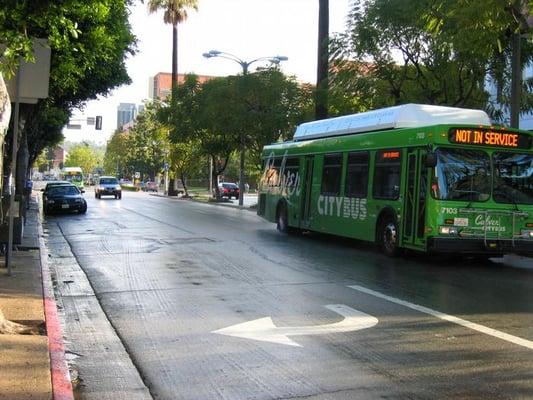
{"x":478,"y":246}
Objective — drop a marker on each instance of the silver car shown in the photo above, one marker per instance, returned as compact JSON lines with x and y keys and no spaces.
{"x":108,"y":186}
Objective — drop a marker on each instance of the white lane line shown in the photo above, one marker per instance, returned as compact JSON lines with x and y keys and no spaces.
{"x":450,"y":318}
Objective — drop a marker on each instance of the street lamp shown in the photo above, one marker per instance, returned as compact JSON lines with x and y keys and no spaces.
{"x":245,"y":66}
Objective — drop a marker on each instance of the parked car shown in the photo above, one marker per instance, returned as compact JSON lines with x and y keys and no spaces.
{"x":228,"y":190}
{"x":64,"y":198}
{"x":108,"y":186}
{"x":52,"y":184}
{"x":150,"y":187}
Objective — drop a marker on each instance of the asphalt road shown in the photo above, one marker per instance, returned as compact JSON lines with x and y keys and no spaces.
{"x":147,"y":286}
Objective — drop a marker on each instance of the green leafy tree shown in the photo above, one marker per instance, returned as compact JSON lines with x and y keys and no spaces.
{"x":498,"y":31}
{"x":89,"y":41}
{"x":117,"y":153}
{"x":84,"y":156}
{"x":432,"y":69}
{"x":148,"y":142}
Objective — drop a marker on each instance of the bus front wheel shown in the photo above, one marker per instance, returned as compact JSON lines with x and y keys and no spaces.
{"x":388,"y":237}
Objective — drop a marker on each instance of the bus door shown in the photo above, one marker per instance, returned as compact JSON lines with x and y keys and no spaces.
{"x":307,"y":192}
{"x":414,"y":208}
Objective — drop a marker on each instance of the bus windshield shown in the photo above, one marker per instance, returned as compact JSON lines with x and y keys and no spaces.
{"x":461,"y":175}
{"x":513,"y":178}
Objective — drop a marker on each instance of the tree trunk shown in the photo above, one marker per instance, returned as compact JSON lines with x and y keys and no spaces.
{"x":174,"y":56}
{"x":321,"y":94}
{"x":184,"y":183}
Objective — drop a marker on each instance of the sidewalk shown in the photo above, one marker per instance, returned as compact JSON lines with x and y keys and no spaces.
{"x":26,"y":369}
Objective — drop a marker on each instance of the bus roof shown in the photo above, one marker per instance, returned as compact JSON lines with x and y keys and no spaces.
{"x":404,"y":116}
{"x":72,"y":169}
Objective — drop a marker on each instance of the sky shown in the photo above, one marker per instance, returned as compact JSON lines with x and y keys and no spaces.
{"x":248,"y":29}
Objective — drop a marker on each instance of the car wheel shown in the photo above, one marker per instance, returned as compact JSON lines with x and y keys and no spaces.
{"x":95,"y":195}
{"x":83,"y":210}
{"x":237,"y":197}
{"x":119,"y":196}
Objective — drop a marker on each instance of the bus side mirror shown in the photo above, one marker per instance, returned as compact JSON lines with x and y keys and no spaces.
{"x":431,"y":159}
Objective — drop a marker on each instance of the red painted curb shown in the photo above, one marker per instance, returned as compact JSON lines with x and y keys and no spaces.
{"x":61,"y":384}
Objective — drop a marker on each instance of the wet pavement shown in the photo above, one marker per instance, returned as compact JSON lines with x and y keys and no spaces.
{"x":148,"y":284}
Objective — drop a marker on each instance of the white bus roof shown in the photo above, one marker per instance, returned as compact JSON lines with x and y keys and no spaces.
{"x":404,"y":116}
{"x":72,"y":169}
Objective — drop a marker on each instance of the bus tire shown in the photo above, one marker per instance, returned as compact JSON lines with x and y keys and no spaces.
{"x":388,"y":236}
{"x":282,"y":220}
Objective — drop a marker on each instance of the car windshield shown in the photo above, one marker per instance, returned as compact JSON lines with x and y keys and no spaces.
{"x":229,"y":186}
{"x":108,"y":181}
{"x":63,"y":190}
{"x":513,"y":178}
{"x":461,"y":175}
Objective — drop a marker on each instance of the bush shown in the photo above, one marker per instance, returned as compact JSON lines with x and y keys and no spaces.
{"x":130,"y":188}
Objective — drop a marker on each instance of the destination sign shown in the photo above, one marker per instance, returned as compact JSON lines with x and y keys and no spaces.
{"x":489,"y":137}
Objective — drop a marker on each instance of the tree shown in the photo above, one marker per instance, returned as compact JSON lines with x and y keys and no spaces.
{"x":89,"y":41}
{"x":83,"y":156}
{"x":499,"y":33}
{"x":433,"y":68}
{"x":148,"y":142}
{"x":321,"y":96}
{"x":175,"y":12}
{"x":117,"y":153}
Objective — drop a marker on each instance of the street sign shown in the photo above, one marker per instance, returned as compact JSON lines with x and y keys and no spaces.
{"x":137,"y":175}
{"x":73,"y":126}
{"x":91,"y":120}
{"x":98,"y":123}
{"x":165,"y":166}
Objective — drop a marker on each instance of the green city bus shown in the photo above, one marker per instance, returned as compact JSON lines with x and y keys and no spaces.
{"x":426,"y":178}
{"x":73,"y":175}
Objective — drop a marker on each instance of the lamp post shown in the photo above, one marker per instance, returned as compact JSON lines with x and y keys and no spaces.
{"x":245,"y":67}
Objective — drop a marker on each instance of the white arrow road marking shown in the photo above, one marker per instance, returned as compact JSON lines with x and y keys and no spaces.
{"x":263,"y":329}
{"x":450,"y":318}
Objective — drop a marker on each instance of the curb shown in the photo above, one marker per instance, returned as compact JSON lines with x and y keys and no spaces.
{"x":213,"y":203}
{"x":61,"y":384}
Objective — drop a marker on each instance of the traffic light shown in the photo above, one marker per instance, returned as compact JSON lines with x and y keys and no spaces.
{"x":98,"y":125}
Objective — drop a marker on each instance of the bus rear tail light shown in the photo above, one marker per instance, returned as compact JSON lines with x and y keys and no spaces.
{"x":527,"y":233}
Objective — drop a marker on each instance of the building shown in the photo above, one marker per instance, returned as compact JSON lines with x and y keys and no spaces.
{"x":160,"y":85}
{"x":126,"y":112}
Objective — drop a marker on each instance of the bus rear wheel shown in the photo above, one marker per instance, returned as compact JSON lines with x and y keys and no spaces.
{"x":388,"y":237}
{"x":282,"y":219}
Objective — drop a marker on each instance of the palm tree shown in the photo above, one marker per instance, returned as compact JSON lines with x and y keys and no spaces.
{"x":175,"y":13}
{"x":321,"y":97}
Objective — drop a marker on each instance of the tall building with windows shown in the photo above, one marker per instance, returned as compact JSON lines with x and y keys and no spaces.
{"x":126,"y":112}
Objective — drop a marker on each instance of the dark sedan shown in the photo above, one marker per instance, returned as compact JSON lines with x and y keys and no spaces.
{"x":62,"y":198}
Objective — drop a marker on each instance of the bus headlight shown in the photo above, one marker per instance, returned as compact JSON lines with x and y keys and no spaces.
{"x":527,"y":233}
{"x":448,"y":230}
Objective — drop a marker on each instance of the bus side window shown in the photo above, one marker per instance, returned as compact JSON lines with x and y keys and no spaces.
{"x":290,"y":173}
{"x":387,"y":174}
{"x":357,"y":175}
{"x":331,"y":174}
